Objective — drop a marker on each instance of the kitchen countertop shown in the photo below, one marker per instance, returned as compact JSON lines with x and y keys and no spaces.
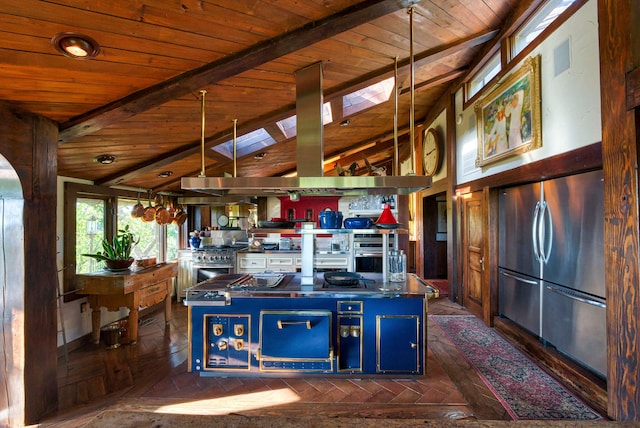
{"x":294,"y":251}
{"x":216,"y":291}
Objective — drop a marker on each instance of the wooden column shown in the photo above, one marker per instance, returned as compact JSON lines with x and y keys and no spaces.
{"x":29,"y":143}
{"x":618,"y":24}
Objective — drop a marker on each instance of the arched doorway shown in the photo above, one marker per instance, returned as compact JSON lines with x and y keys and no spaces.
{"x":12,"y":280}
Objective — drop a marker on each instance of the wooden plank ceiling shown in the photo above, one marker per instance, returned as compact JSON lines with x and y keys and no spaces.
{"x":140,"y":98}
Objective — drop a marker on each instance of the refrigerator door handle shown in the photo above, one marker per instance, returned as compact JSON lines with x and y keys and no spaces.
{"x":519,"y":278}
{"x":577,"y":298}
{"x":545,"y":248}
{"x":535,"y":228}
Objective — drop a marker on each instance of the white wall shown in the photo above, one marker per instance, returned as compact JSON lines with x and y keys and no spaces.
{"x":570,"y":100}
{"x":76,"y":323}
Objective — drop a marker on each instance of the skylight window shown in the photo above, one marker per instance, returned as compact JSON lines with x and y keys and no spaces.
{"x":538,"y":22}
{"x":367,"y":97}
{"x":288,"y":125}
{"x":254,"y":141}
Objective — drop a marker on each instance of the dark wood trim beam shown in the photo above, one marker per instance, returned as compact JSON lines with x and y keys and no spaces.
{"x":619,"y":53}
{"x":579,"y":160}
{"x":231,"y":65}
{"x":440,"y":80}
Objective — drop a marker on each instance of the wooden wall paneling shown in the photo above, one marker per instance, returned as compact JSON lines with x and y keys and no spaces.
{"x":617,"y":20}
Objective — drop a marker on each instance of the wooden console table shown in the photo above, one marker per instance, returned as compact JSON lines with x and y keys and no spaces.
{"x":133,"y":289}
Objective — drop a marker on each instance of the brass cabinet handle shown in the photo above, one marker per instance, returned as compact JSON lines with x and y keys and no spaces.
{"x":281,"y":323}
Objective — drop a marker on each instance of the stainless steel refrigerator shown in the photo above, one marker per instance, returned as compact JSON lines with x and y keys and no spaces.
{"x":551,"y":260}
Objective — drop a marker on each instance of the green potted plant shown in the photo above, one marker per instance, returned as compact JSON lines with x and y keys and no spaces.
{"x":117,"y":254}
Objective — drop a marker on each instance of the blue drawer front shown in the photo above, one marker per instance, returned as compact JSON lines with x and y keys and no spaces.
{"x":295,"y":335}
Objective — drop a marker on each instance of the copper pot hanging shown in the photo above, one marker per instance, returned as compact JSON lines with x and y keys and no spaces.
{"x":138,"y":209}
{"x":149,"y":212}
{"x":163,"y":216}
{"x":160,"y":210}
{"x":180,"y":217}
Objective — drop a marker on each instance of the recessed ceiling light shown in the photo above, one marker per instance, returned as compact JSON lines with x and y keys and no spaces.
{"x":105,"y":159}
{"x":165,"y":174}
{"x":76,"y":46}
{"x":345,"y":122}
{"x":260,"y":155}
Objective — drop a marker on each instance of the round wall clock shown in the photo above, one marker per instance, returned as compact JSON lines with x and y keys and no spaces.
{"x":431,"y":148}
{"x":223,"y":220}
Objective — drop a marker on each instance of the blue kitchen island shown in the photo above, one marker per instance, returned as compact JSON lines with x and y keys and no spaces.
{"x":272,"y":325}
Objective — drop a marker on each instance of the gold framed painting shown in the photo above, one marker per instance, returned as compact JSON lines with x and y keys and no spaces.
{"x":508,"y":118}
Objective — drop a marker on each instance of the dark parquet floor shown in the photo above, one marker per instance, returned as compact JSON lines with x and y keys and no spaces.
{"x":152,"y":374}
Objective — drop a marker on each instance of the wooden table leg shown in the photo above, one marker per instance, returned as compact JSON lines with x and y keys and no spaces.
{"x":95,"y":324}
{"x":133,"y":323}
{"x":167,"y":309}
{"x":94,"y":304}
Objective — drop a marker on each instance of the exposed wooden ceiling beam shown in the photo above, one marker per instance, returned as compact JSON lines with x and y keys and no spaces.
{"x":230,"y":65}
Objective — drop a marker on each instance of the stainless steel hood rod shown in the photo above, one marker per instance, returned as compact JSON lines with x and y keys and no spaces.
{"x":396,"y":152}
{"x":235,"y":147}
{"x":413,"y":95}
{"x":202,"y":169}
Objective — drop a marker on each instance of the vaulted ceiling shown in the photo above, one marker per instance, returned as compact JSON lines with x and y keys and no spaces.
{"x":140,"y":98}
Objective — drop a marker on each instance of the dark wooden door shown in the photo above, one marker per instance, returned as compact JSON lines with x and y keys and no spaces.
{"x":473,"y":253}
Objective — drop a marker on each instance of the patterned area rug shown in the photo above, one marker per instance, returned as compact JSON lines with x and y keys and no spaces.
{"x":525,"y":390}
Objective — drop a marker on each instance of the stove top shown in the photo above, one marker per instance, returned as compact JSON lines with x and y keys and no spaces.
{"x":359,"y":284}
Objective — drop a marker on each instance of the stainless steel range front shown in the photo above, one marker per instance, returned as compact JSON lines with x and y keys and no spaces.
{"x":209,"y":262}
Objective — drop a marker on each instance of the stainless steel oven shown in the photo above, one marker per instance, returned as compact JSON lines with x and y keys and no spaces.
{"x":368,"y":252}
{"x":211,"y":262}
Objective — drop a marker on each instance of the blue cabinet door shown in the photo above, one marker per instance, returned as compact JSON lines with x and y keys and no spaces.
{"x":397,"y":349}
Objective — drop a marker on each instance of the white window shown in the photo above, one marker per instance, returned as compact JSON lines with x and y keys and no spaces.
{"x":152,"y":236}
{"x":537,"y":23}
{"x":90,"y":230}
{"x":484,"y":76}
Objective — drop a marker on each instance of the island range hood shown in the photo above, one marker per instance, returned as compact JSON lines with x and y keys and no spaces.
{"x":310,"y":166}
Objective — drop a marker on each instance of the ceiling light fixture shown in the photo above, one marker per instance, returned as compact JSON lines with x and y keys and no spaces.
{"x":105,"y":159}
{"x":165,"y":174}
{"x":76,"y":46}
{"x":260,"y":156}
{"x":345,"y":122}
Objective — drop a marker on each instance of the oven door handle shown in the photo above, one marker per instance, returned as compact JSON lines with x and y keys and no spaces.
{"x":369,"y":254}
{"x":282,"y":323}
